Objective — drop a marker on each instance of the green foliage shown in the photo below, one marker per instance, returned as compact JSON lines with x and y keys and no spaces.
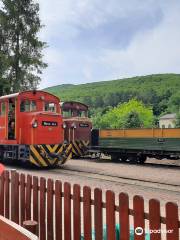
{"x":177,"y":122}
{"x":128,"y":115}
{"x":133,"y":120}
{"x":4,"y":83}
{"x":174,"y":102}
{"x":20,"y":47}
{"x":96,"y":118}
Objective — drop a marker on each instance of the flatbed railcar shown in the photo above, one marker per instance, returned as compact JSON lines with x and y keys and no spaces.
{"x":77,"y":126}
{"x":29,"y":123}
{"x":136,"y":145}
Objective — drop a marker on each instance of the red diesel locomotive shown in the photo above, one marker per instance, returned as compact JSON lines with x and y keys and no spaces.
{"x":29,"y":123}
{"x":77,"y":126}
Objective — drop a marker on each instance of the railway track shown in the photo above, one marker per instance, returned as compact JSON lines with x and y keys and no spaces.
{"x":70,"y":171}
{"x":87,"y":170}
{"x":150,"y":162}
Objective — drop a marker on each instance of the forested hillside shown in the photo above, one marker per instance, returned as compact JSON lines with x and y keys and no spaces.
{"x":161,"y":92}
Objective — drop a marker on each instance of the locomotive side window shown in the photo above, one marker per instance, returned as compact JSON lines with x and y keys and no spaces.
{"x":50,"y":107}
{"x":2,"y":108}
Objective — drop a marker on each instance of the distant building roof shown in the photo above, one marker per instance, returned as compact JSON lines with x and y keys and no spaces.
{"x":168,"y":116}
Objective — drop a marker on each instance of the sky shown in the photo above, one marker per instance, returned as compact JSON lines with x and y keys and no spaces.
{"x":98,"y":40}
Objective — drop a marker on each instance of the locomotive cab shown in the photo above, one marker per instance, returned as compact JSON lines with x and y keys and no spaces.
{"x":30,"y":117}
{"x":77,"y":125}
{"x":8,"y":123}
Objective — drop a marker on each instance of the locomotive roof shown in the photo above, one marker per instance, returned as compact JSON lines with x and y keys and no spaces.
{"x":10,"y":96}
{"x":74,"y":103}
{"x":13,"y":95}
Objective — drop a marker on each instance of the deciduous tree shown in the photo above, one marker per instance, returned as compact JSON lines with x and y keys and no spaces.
{"x":131,"y":114}
{"x":177,"y":122}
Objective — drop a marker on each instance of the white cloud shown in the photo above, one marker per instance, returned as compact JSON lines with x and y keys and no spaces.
{"x":53,"y":56}
{"x":68,"y":16}
{"x":151,"y":50}
{"x":154,"y":51}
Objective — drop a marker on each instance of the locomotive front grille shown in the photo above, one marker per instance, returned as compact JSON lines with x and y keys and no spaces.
{"x":50,"y":155}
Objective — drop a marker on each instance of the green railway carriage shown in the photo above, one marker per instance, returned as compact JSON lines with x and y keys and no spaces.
{"x":137,"y":144}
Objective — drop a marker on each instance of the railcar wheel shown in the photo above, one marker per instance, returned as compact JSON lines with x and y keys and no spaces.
{"x":132,"y":159}
{"x":115,"y":158}
{"x":123,"y":159}
{"x":118,"y":158}
{"x":141,"y":159}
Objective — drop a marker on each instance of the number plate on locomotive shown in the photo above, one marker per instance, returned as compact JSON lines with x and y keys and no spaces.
{"x":49,"y":124}
{"x":84,"y":125}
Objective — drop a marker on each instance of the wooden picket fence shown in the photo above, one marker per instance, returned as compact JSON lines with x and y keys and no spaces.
{"x":65,"y":212}
{"x":10,"y":230}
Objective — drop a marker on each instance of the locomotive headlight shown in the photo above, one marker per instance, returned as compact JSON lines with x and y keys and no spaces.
{"x":73,"y":125}
{"x":64,"y":125}
{"x":35,"y":124}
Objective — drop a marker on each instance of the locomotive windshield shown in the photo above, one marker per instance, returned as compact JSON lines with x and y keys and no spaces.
{"x":74,"y":109}
{"x":74,"y":113}
{"x":50,"y":107}
{"x":28,"y":106}
{"x":67,"y":113}
{"x":82,"y":113}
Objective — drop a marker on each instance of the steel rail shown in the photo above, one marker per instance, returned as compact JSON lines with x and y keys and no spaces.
{"x":118,"y":179}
